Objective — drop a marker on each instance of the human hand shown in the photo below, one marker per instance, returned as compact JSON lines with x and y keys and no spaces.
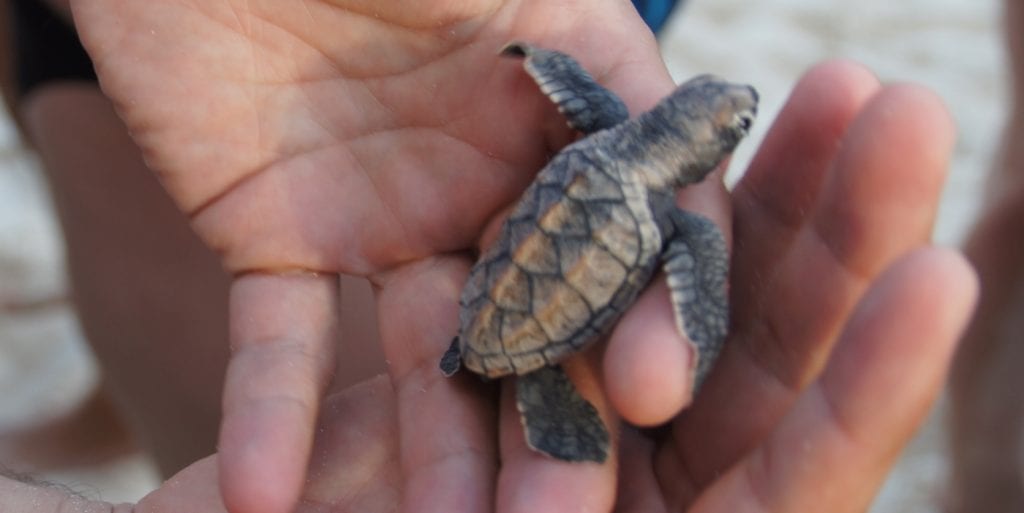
{"x":301,"y":185}
{"x":844,"y":322}
{"x":355,"y":467}
{"x":378,"y":139}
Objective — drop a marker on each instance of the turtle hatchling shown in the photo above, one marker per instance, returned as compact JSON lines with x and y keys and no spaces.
{"x":589,"y":234}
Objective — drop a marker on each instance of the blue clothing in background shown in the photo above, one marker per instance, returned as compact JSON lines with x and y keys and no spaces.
{"x":655,"y":12}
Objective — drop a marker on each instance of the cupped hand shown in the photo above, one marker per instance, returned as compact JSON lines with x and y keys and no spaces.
{"x":307,"y":139}
{"x":844,"y":320}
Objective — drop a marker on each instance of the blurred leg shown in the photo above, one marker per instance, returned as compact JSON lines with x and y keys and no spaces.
{"x":151,"y":297}
{"x":988,"y":381}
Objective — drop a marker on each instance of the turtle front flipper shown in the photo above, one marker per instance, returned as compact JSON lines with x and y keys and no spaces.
{"x":586,"y":105}
{"x":557,"y":420}
{"x":697,"y":265}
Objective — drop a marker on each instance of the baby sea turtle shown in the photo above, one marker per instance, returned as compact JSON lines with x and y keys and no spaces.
{"x":587,"y":236}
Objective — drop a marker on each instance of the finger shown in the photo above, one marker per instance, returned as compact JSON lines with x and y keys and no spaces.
{"x":877,"y":203}
{"x":446,"y":425}
{"x":355,"y":463}
{"x":530,"y":482}
{"x":647,"y":363}
{"x":889,"y":366}
{"x":283,"y":333}
{"x":783,"y":183}
{"x":646,"y":352}
{"x":638,"y":487}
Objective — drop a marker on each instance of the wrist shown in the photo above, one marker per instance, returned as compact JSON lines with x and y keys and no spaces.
{"x":19,"y":495}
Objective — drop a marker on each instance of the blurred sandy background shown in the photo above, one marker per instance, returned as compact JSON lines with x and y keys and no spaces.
{"x":952,"y":46}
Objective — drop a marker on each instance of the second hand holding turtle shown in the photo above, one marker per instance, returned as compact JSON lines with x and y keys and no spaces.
{"x":587,"y":236}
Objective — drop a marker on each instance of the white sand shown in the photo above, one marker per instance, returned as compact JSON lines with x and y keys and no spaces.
{"x":952,"y":46}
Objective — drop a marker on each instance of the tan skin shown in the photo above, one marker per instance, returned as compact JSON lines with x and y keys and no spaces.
{"x":390,"y":152}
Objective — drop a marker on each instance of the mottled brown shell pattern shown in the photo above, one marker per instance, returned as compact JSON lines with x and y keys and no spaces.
{"x":574,"y":253}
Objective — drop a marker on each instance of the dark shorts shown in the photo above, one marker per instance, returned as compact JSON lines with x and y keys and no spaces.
{"x":46,"y":48}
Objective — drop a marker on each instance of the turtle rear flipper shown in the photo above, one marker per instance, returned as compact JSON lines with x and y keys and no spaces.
{"x":557,"y":420}
{"x":697,"y":267}
{"x":586,"y":105}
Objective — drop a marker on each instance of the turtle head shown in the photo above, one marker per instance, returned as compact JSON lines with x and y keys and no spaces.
{"x":697,"y":126}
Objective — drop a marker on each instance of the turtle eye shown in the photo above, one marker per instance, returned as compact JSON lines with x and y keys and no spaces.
{"x":743,"y":121}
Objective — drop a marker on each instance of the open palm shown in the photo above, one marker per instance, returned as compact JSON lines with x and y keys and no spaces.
{"x":384,"y":139}
{"x":318,"y":137}
{"x":372,"y":138}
